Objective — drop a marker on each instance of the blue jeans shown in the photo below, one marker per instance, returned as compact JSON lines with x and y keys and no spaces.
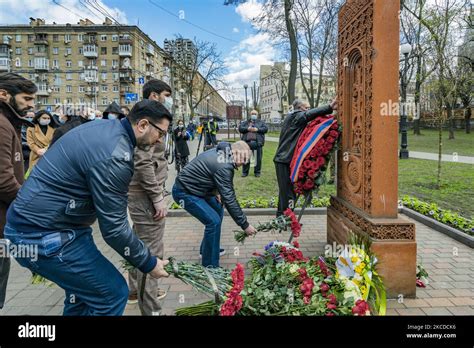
{"x":210,"y":212}
{"x":71,"y":259}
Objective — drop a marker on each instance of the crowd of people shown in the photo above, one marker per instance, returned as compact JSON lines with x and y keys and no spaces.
{"x":79,"y":172}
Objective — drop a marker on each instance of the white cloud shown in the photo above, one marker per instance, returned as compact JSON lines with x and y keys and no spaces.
{"x":19,"y":12}
{"x":235,"y":30}
{"x":244,"y":62}
{"x":249,"y":10}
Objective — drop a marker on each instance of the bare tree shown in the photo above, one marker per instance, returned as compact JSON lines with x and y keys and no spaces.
{"x":441,"y":21}
{"x":203,"y":75}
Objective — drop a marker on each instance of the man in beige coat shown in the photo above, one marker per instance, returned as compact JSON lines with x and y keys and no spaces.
{"x":148,"y":206}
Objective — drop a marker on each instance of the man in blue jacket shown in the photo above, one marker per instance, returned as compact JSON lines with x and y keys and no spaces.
{"x":85,"y":176}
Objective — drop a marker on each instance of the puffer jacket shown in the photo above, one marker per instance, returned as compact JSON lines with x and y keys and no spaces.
{"x":73,"y":185}
{"x":210,"y":173}
{"x":291,"y":129}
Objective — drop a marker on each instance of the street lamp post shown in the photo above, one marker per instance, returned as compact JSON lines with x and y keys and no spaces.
{"x":181,"y":92}
{"x":246,"y":103}
{"x":405,"y":49}
{"x":207,"y":99}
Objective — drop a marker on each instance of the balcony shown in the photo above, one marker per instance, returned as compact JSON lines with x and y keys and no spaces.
{"x":41,"y":39}
{"x":126,"y":78}
{"x":4,"y":64}
{"x":125,"y":50}
{"x":90,"y":51}
{"x":125,"y":39}
{"x":41,"y":64}
{"x":150,"y":51}
{"x":149,"y":73}
{"x":149,"y":61}
{"x":4,"y":51}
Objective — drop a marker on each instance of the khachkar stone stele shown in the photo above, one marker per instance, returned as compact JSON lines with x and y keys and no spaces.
{"x":367,"y":163}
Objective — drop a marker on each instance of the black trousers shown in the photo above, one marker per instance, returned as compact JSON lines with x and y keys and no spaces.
{"x":286,"y":194}
{"x":258,"y":165}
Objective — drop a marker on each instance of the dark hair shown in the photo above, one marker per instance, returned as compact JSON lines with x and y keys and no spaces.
{"x":125,"y":107}
{"x":149,"y":109}
{"x":15,"y":84}
{"x":40,"y":113}
{"x":156,"y":86}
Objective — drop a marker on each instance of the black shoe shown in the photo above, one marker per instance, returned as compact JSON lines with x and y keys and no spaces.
{"x":244,"y":175}
{"x":257,"y":175}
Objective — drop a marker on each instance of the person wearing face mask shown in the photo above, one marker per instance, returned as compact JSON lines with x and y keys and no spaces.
{"x":291,"y":129}
{"x":181,"y":149}
{"x":253,"y":133}
{"x":17,"y":97}
{"x":147,"y":204}
{"x":72,"y":188}
{"x":39,"y":137}
{"x":113,"y":112}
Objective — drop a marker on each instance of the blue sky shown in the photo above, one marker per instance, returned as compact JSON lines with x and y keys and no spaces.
{"x":242,"y":48}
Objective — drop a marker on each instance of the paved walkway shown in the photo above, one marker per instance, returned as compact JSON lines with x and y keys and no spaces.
{"x":449,"y":263}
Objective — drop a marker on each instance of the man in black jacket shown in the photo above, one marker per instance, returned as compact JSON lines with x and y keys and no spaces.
{"x":86,"y":115}
{"x":291,"y":129}
{"x":253,"y":133}
{"x":207,"y":182}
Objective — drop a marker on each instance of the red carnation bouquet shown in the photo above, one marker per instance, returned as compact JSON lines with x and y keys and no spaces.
{"x":279,"y":224}
{"x":312,"y":154}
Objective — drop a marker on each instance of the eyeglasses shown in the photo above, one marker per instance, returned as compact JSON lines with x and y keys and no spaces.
{"x":160,"y":131}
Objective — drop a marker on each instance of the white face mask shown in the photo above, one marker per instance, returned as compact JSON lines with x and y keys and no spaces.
{"x":253,"y":117}
{"x":112,"y":116}
{"x":168,"y":103}
{"x":92,"y":116}
{"x":44,"y":122}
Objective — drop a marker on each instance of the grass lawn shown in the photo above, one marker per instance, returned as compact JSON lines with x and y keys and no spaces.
{"x":462,"y":143}
{"x":416,"y":178}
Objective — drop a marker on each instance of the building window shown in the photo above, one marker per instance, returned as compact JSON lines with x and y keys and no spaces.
{"x":69,"y":101}
{"x":80,"y":63}
{"x":68,"y":76}
{"x":104,"y":76}
{"x":80,"y":50}
{"x":80,"y":37}
{"x":30,"y":63}
{"x":115,"y":37}
{"x":18,"y":62}
{"x":114,"y":63}
{"x":81,"y":89}
{"x":68,"y":50}
{"x":56,"y":63}
{"x":55,"y":38}
{"x":67,"y":38}
{"x":68,"y":63}
{"x":57,"y":100}
{"x":55,"y":50}
{"x":82,"y":76}
{"x":103,"y":62}
{"x":105,"y":88}
{"x":82,"y":100}
{"x":103,"y":50}
{"x":103,"y":38}
{"x":115,"y":88}
{"x":30,"y":50}
{"x":115,"y":76}
{"x":69,"y":89}
{"x":114,"y":50}
{"x":104,"y":101}
{"x":18,"y":38}
{"x":18,"y":50}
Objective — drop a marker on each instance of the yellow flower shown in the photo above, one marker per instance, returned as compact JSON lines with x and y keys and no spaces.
{"x":354,"y":259}
{"x":362,"y":265}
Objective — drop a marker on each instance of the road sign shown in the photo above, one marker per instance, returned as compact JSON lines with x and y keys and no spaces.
{"x":48,"y":108}
{"x":234,"y":112}
{"x":141,"y":80}
{"x":131,"y":96}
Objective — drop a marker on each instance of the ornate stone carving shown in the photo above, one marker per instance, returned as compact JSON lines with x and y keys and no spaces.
{"x":374,"y":230}
{"x":355,"y":101}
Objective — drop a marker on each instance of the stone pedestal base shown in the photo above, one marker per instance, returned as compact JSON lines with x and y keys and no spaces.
{"x":393,"y":242}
